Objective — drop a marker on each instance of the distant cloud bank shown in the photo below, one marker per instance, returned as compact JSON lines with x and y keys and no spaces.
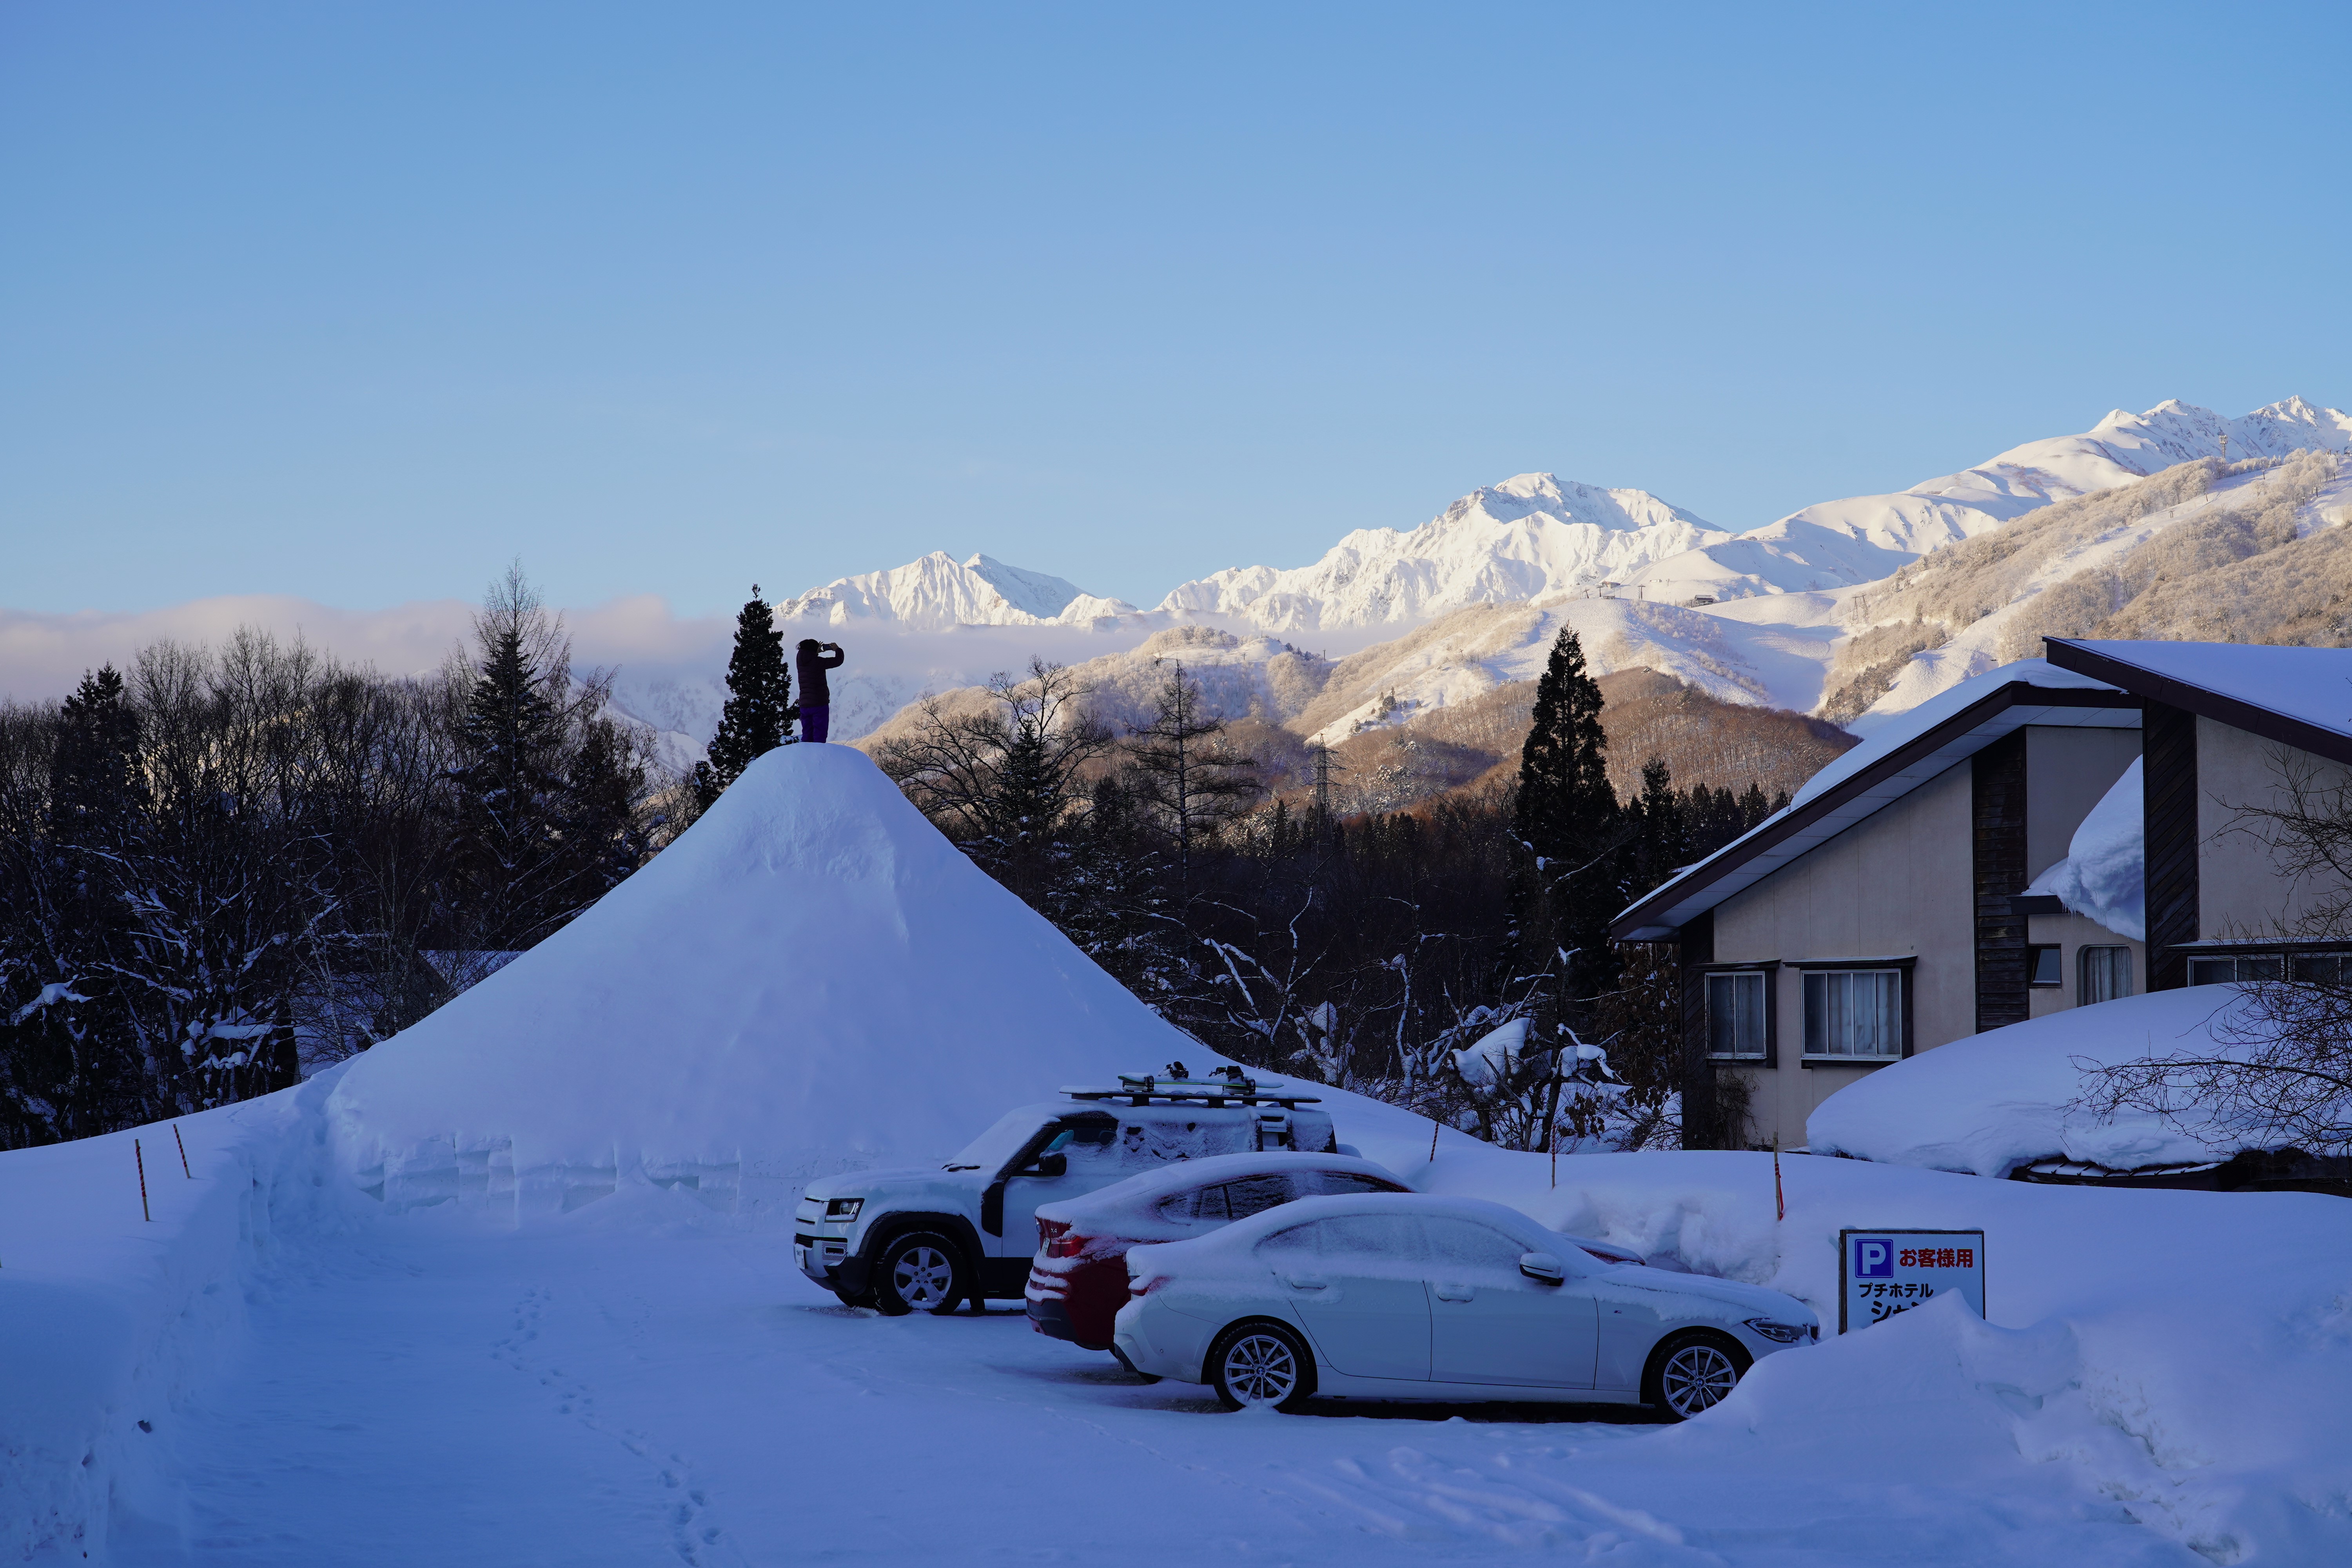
{"x":42,"y":655}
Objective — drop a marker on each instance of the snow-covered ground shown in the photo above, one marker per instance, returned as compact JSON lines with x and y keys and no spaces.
{"x":283,"y":1367}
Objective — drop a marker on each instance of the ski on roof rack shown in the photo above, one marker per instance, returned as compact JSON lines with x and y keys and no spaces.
{"x":1227,"y":1085}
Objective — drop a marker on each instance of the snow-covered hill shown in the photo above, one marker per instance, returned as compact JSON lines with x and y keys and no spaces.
{"x":2254,"y":550}
{"x":1530,"y":537}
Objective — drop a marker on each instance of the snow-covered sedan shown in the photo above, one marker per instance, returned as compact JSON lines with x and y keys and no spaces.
{"x":1077,"y":1282}
{"x":1410,"y":1297}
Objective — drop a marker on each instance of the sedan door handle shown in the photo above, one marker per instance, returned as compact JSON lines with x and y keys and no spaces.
{"x":1304,"y":1281}
{"x":1452,"y":1293}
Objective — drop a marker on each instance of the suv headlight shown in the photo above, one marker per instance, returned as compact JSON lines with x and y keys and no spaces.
{"x":843,"y":1209}
{"x":1779,"y":1333}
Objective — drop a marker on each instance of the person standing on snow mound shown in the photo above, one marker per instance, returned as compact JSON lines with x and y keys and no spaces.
{"x":810,"y":661}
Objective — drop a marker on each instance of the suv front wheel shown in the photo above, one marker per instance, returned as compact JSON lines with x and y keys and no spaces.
{"x":921,"y":1271}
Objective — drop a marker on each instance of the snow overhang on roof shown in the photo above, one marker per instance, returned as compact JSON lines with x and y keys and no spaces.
{"x":2301,"y":697}
{"x":1951,"y":729}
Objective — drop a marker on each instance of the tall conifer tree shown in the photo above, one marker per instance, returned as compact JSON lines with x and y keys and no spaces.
{"x":1569,"y":828}
{"x":759,"y":713}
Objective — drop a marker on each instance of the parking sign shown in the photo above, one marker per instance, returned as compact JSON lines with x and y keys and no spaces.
{"x":1884,"y":1272}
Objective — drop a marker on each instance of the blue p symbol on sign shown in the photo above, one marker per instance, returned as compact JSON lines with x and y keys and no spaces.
{"x":1874,"y":1257}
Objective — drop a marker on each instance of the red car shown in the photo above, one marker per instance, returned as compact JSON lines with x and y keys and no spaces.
{"x":1078,"y":1281}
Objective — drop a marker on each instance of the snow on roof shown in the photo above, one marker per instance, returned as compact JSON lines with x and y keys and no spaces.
{"x":810,"y":979}
{"x":2104,"y":873}
{"x":1138,"y":1193}
{"x":1908,"y":726}
{"x":1902,"y":756}
{"x":2006,"y":1098}
{"x":2309,"y":687}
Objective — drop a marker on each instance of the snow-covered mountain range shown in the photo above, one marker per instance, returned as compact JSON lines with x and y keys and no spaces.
{"x":1530,"y":537}
{"x":1466,"y":600}
{"x":938,"y":592}
{"x":1839,"y":544}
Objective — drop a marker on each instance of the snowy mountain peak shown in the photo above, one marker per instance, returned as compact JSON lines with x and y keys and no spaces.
{"x":1564,"y":500}
{"x":938,"y":591}
{"x":1531,"y":536}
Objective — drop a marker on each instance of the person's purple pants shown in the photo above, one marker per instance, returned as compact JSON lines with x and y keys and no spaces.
{"x":814,"y":720}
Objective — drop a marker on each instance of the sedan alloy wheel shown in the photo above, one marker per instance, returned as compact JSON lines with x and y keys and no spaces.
{"x":1697,"y":1377}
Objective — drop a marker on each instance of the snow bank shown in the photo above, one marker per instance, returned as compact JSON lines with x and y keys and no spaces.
{"x":2178,"y":1360}
{"x":2105,"y":874}
{"x":810,"y":980}
{"x":108,"y":1318}
{"x":2001,"y":1099}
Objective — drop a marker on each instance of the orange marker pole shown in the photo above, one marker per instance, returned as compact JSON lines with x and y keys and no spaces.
{"x":1780,"y":1201}
{"x":140,"y":1156}
{"x":183,"y":1152}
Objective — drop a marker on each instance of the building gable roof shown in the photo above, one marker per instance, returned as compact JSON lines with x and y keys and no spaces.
{"x":1908,"y":752}
{"x":2301,"y":697}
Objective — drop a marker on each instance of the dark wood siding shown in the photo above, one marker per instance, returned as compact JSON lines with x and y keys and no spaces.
{"x":1999,"y":841}
{"x":2168,"y":782}
{"x":1696,"y":941}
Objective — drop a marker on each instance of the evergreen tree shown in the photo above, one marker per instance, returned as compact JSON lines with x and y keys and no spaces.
{"x":1662,"y":841}
{"x":1186,"y":773}
{"x":1105,"y":894}
{"x":759,"y":713}
{"x":1570,"y":828}
{"x":73,"y":1066}
{"x":510,"y":781}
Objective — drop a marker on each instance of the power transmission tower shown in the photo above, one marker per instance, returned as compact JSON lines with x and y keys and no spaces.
{"x":1322,"y":790}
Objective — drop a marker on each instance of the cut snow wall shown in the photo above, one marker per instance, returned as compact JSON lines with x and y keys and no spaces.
{"x":812,"y":979}
{"x":108,"y":1319}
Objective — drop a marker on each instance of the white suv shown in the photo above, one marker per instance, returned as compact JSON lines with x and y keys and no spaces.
{"x":930,"y":1239}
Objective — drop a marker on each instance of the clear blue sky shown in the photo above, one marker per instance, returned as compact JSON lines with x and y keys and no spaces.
{"x":356,"y":302}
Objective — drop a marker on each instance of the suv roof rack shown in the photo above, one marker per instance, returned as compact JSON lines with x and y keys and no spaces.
{"x":1229,"y":1086}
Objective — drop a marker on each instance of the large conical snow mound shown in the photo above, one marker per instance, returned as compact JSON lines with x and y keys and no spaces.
{"x":810,"y":979}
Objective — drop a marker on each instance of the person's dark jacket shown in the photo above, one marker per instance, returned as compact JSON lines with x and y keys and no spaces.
{"x":811,"y":666}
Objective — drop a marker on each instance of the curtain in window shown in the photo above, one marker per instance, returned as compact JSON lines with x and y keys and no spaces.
{"x":1735,"y":1015}
{"x":2107,"y":974}
{"x":1854,"y":1012}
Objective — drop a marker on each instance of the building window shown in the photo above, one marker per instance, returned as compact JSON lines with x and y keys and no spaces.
{"x":2107,"y":974}
{"x":1854,"y":1012}
{"x":2324,"y":968}
{"x":2044,"y":967}
{"x":2234,"y":970}
{"x":1735,"y":1015}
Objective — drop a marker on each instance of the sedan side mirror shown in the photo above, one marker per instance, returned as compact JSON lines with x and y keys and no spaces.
{"x":1543,"y":1269}
{"x":1054,"y":1165}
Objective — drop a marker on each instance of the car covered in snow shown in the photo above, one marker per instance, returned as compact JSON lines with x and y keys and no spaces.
{"x":1078,"y":1281}
{"x":928,"y":1239}
{"x":1396,"y":1297}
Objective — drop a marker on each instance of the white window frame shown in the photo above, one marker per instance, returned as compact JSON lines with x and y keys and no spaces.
{"x":1821,"y":982}
{"x":1762,"y":996}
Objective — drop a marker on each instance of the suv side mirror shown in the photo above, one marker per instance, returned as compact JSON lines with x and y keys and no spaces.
{"x":1543,"y":1269}
{"x":1055,"y":1164}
